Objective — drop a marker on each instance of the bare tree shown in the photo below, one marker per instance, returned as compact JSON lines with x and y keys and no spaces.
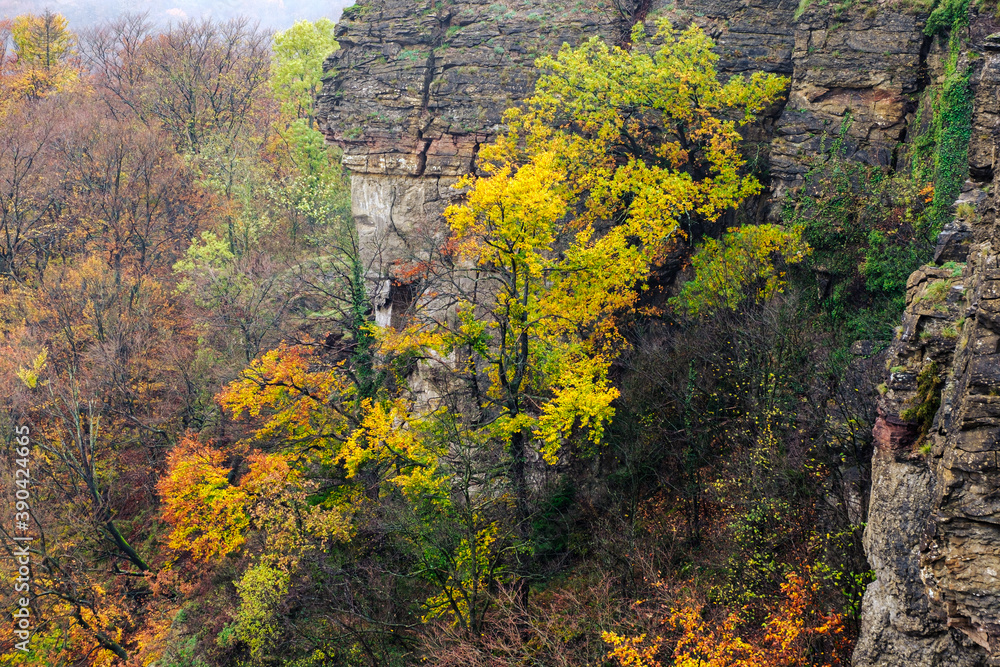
{"x":198,"y":79}
{"x":29,"y":185}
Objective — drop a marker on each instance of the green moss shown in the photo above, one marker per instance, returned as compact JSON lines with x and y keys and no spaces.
{"x":988,"y":7}
{"x":935,"y":292}
{"x":355,"y":12}
{"x":927,"y":400}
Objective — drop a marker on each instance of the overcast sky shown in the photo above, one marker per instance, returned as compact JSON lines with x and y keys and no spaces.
{"x":274,"y":14}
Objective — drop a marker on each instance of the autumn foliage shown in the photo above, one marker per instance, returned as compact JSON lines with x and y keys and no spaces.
{"x":795,"y":634}
{"x":585,"y":387}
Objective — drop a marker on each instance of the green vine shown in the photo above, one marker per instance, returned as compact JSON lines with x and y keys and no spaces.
{"x":948,"y":16}
{"x":952,"y":130}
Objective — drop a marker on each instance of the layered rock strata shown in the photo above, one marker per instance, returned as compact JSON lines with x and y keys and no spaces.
{"x":415,"y":89}
{"x":418,"y":86}
{"x":900,"y":625}
{"x":862,"y":66}
{"x":934,"y":533}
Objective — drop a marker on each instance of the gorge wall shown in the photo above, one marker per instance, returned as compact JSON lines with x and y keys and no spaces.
{"x":419,"y":85}
{"x":934,"y":530}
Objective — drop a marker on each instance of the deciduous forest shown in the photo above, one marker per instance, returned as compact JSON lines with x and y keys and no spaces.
{"x":617,"y":416}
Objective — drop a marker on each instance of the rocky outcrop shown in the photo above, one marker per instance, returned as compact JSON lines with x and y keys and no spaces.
{"x":900,"y":624}
{"x":863,"y":65}
{"x":417,"y":87}
{"x":933,"y":537}
{"x":934,"y":533}
{"x":960,"y":549}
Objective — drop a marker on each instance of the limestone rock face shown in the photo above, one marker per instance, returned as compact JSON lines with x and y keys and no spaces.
{"x":416,"y":87}
{"x":419,"y":85}
{"x":960,"y":545}
{"x":986,"y":119}
{"x":860,"y":65}
{"x":900,"y":624}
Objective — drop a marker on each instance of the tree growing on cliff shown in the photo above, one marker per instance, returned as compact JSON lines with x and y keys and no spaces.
{"x":570,"y":213}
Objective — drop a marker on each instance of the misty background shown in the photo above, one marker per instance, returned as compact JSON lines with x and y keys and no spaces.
{"x":272,"y":14}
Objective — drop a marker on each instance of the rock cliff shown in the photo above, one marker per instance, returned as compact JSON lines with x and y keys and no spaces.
{"x":934,"y":533}
{"x":419,"y":85}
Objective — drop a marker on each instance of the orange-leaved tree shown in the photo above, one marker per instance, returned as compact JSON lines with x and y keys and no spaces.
{"x":796,"y":634}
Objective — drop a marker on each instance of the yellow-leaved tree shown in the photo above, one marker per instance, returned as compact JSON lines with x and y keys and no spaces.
{"x":43,"y":46}
{"x":567,"y":217}
{"x":740,"y":267}
{"x":499,"y":369}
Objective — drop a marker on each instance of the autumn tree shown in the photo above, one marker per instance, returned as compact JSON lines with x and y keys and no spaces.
{"x":203,"y":80}
{"x":84,"y":566}
{"x":508,"y":348}
{"x":41,"y":41}
{"x":94,"y":210}
{"x":200,"y":80}
{"x":742,"y":266}
{"x":797,"y":633}
{"x":560,"y":232}
{"x":129,"y":195}
{"x":30,"y":190}
{"x":43,"y":46}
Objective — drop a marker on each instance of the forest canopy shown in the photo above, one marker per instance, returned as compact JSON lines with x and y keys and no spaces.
{"x":607,"y":426}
